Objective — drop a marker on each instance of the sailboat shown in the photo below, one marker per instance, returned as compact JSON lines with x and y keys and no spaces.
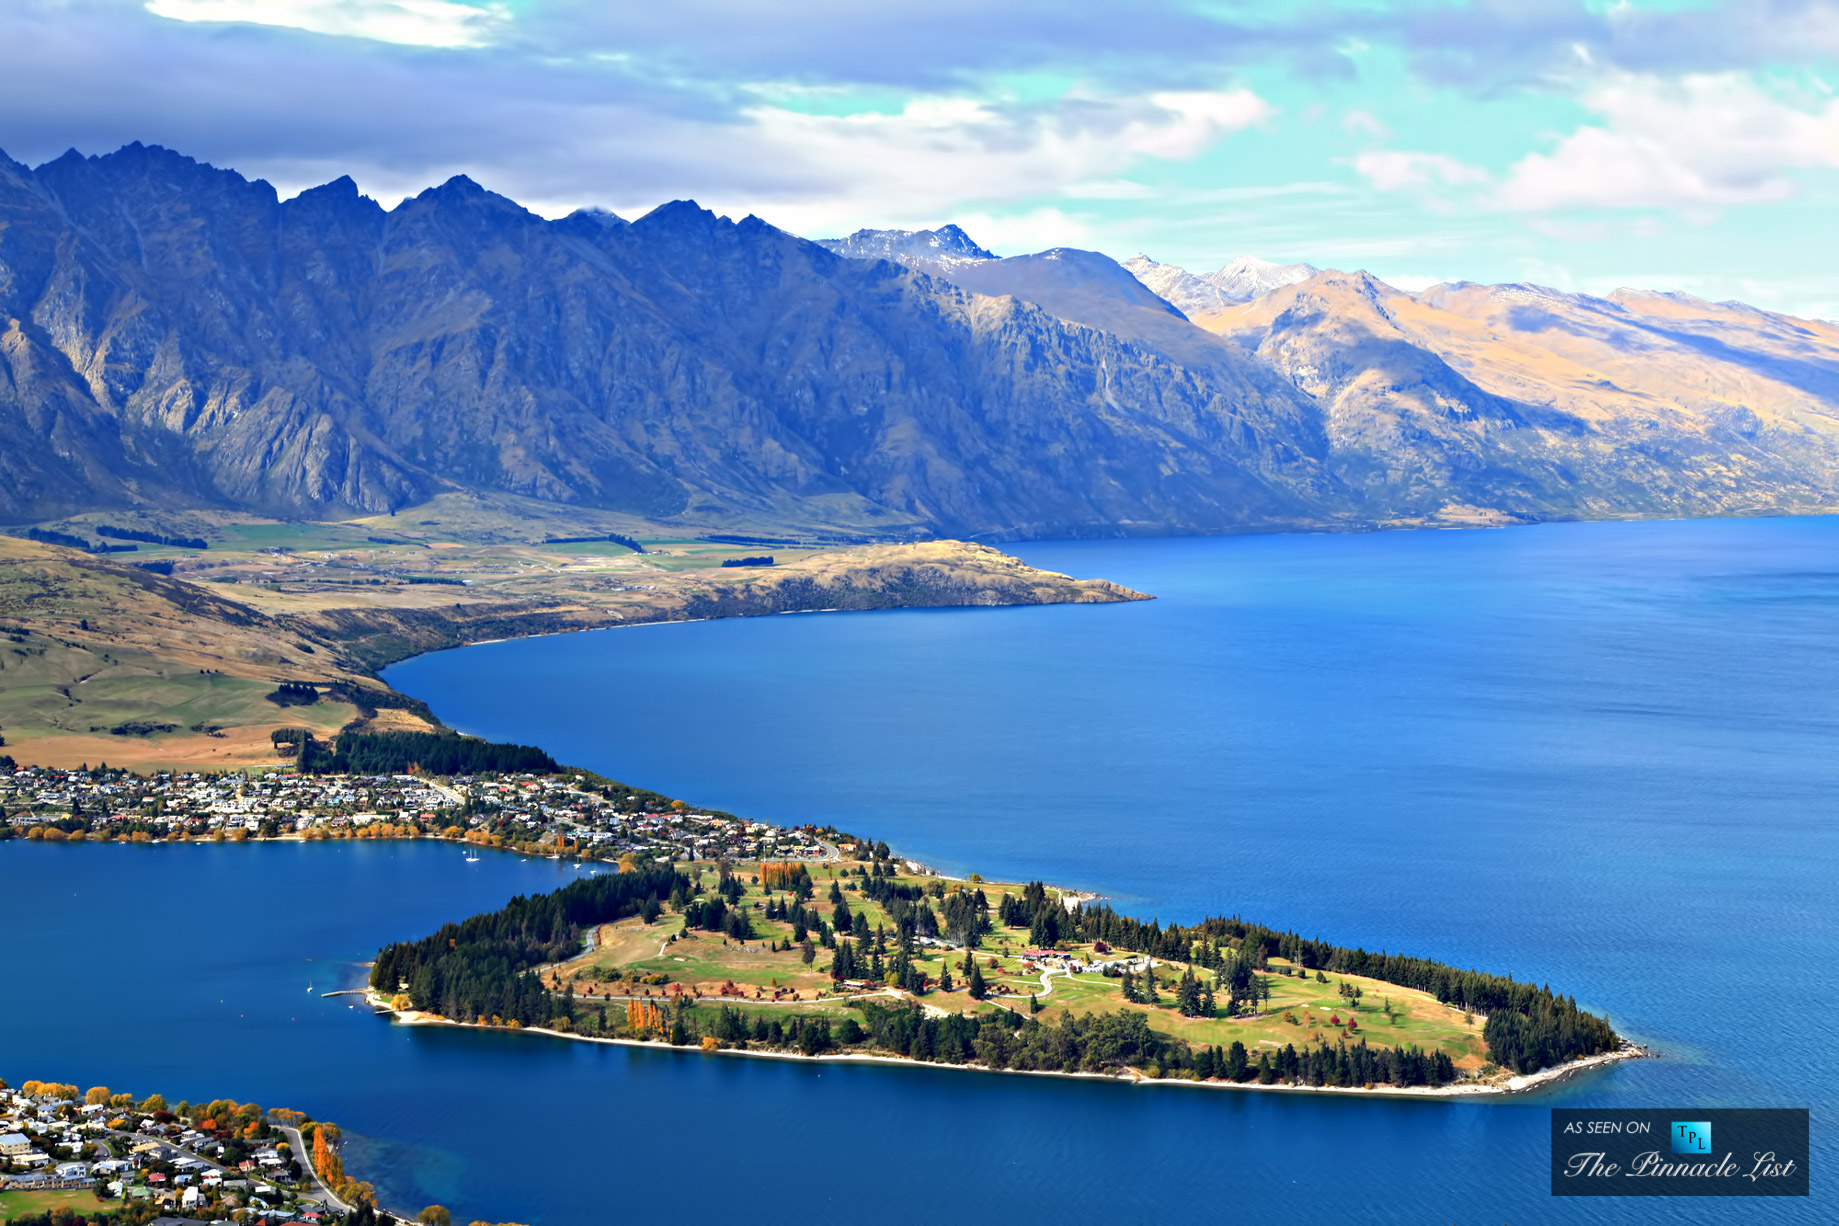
{"x":471,"y":857}
{"x":309,"y":989}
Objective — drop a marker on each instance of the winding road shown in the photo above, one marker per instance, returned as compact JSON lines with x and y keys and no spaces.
{"x":301,"y":1156}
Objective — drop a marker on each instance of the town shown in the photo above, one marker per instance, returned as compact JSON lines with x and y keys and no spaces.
{"x":65,"y":1149}
{"x":569,"y":814}
{"x":70,"y":1157}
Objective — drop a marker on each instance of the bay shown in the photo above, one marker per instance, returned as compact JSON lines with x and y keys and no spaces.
{"x":1599,"y":755}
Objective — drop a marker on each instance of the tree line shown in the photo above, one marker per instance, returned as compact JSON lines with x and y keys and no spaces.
{"x":479,"y":968}
{"x":440,"y":753}
{"x":50,"y":536}
{"x":151,"y":538}
{"x":612,"y":537}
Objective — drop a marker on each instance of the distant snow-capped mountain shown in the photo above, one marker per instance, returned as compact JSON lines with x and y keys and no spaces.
{"x":1249,"y":277}
{"x":1243,"y":280}
{"x":942,"y":249}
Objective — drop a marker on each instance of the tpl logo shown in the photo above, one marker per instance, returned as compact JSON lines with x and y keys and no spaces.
{"x":1691,"y":1137}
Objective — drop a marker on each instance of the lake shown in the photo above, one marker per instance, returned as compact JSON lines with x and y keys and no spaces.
{"x":1599,"y":755}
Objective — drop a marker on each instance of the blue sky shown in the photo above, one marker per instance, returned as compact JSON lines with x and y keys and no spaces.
{"x":1576,"y":143}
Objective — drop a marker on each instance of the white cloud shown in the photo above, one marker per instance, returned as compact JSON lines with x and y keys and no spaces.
{"x":1358,"y":122}
{"x":1108,"y":189}
{"x":1399,"y":170}
{"x":1696,"y":142}
{"x":418,"y":23}
{"x":937,"y":156}
{"x":1034,"y":230}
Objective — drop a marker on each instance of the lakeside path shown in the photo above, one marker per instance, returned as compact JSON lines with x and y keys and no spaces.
{"x":1515,"y":1085}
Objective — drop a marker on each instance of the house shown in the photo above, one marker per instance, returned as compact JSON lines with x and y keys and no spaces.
{"x":14,"y":1144}
{"x":72,"y":1170}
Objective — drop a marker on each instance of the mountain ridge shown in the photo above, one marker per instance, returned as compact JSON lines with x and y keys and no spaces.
{"x":173,"y":334}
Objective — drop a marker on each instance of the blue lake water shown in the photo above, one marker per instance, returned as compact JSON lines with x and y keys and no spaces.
{"x":1600,"y":755}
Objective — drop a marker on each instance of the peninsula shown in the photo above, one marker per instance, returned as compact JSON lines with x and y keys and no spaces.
{"x":864,"y":955}
{"x":696,"y":928}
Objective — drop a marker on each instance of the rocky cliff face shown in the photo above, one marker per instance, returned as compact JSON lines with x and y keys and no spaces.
{"x":176,"y":334}
{"x":172,"y":334}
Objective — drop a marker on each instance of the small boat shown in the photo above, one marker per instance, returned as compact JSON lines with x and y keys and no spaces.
{"x":470,"y":858}
{"x":309,"y":989}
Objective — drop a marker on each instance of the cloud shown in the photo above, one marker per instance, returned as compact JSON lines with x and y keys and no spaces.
{"x":558,"y":130}
{"x":1034,"y":230}
{"x":1109,"y":189}
{"x":1703,"y":141}
{"x":419,"y":23}
{"x":1490,"y":48}
{"x":938,"y":155}
{"x":1358,"y":122}
{"x":1398,"y":170}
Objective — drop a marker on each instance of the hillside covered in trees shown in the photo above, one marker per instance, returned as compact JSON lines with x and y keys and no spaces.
{"x":437,"y":753}
{"x":479,"y":968}
{"x":1528,"y":1028}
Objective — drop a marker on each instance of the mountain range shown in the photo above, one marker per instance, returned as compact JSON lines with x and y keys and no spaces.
{"x":173,"y":335}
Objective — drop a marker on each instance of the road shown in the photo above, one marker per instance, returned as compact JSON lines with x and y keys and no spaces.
{"x":170,"y":1144}
{"x":1046,"y":987}
{"x":304,"y":1158}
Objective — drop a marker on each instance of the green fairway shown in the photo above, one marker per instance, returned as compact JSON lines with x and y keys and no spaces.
{"x":22,"y":1204}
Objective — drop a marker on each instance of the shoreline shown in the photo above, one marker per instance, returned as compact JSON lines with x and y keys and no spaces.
{"x":1519,"y":1083}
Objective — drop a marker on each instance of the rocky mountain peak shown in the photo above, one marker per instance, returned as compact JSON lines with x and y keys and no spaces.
{"x":940,"y":250}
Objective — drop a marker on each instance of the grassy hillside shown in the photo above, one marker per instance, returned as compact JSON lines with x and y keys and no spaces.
{"x":104,"y":661}
{"x":100,"y":661}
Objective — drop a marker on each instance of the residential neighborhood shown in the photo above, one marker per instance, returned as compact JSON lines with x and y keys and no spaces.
{"x":547,"y":814}
{"x":210,"y":1161}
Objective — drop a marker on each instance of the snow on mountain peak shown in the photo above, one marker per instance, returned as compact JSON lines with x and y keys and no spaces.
{"x":1241,"y":280}
{"x":943,"y":248}
{"x":1249,"y":277}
